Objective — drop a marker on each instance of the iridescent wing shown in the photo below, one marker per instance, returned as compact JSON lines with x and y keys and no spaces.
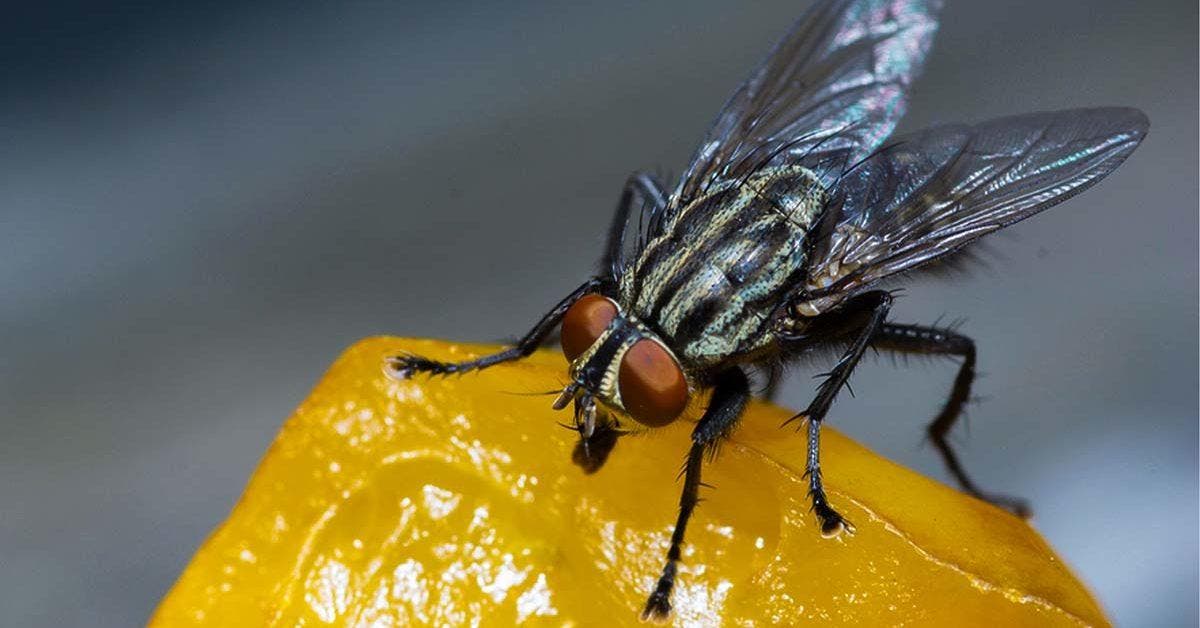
{"x":826,"y":96}
{"x":928,"y":194}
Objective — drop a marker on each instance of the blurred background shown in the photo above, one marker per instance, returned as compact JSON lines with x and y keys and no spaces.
{"x":200,"y":207}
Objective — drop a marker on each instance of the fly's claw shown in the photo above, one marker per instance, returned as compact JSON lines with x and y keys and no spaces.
{"x":802,"y":418}
{"x":1014,"y":505}
{"x":832,"y":522}
{"x":401,"y":366}
{"x":1020,"y":508}
{"x":658,"y":607}
{"x":405,"y":366}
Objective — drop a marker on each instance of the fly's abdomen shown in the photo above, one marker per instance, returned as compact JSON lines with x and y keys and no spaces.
{"x":711,"y":281}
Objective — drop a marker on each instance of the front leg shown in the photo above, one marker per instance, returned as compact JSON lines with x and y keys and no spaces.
{"x":641,"y":189}
{"x":871,"y":308}
{"x":729,"y":398}
{"x":405,"y":366}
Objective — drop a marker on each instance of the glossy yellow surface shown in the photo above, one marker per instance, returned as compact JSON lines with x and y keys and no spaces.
{"x":451,"y":501}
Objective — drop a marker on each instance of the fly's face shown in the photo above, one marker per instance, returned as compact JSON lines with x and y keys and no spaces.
{"x":619,"y":363}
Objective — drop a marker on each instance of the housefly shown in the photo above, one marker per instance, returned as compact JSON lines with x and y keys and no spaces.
{"x":775,"y":240}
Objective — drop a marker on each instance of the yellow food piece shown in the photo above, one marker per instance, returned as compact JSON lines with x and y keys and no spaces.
{"x":454,"y":500}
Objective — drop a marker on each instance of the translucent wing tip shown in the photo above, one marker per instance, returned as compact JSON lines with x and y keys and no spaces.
{"x":1131,"y":118}
{"x":1136,"y":119}
{"x":1126,"y":125}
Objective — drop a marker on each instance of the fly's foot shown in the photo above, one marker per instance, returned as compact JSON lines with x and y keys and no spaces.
{"x":802,"y":419}
{"x":1015,"y":505}
{"x":832,"y":522}
{"x":407,"y":365}
{"x":658,"y":607}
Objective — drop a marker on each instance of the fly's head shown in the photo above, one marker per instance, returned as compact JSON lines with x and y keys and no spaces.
{"x":618,"y":363}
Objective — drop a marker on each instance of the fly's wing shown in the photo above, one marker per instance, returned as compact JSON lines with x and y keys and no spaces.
{"x":826,"y":96}
{"x":927,"y":194}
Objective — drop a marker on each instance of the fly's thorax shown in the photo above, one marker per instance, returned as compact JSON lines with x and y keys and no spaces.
{"x":627,"y":367}
{"x":713,"y":279}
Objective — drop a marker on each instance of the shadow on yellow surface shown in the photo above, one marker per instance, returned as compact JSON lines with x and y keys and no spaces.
{"x":444,"y":501}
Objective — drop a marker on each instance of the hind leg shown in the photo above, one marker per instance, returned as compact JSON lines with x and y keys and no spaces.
{"x":935,"y":341}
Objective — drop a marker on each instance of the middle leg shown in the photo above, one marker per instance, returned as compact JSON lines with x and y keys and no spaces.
{"x":862,"y":317}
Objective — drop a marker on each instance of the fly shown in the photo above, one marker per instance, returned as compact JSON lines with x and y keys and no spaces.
{"x":776,"y":238}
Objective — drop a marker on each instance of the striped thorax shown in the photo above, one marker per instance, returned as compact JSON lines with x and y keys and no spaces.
{"x":711,"y":282}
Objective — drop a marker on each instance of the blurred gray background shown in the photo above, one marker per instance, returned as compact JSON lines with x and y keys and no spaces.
{"x":200,"y":207}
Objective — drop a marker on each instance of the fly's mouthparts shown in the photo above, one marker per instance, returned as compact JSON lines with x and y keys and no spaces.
{"x":585,"y":416}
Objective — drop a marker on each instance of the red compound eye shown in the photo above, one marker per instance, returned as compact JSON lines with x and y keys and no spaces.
{"x":583,"y":323}
{"x":653,"y":388}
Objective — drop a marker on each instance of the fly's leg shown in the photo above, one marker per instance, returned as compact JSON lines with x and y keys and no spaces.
{"x":934,"y":341}
{"x":642,"y":186}
{"x":405,"y":366}
{"x":729,"y":398}
{"x":648,"y":191}
{"x":868,"y":311}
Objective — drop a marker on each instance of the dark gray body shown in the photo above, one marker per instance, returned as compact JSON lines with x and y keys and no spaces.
{"x":711,"y":282}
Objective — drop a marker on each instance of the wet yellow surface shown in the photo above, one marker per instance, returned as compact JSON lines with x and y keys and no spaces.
{"x":454,"y":501}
